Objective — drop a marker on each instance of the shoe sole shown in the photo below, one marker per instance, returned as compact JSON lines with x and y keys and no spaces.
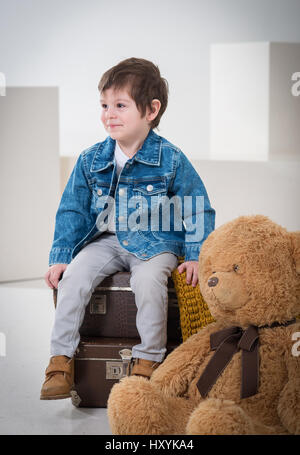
{"x":55,"y":397}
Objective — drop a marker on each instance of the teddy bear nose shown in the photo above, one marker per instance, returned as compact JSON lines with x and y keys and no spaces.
{"x":213,"y":281}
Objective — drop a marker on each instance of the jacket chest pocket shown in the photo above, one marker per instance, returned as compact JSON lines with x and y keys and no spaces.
{"x":147,"y":195}
{"x":150,"y":188}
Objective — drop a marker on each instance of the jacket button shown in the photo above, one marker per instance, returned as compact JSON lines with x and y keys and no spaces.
{"x":149,"y":187}
{"x":99,"y":192}
{"x":121,"y":191}
{"x":125,"y":242}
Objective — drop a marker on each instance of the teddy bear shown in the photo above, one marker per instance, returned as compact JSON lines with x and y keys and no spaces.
{"x":240,"y":374}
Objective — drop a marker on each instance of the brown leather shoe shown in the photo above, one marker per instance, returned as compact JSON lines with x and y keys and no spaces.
{"x":143,"y":367}
{"x":59,"y":378}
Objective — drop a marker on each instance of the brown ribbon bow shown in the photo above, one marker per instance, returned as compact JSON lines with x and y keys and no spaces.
{"x":226,"y":343}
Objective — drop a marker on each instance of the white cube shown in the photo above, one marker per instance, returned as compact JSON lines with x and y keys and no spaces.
{"x":254,"y":107}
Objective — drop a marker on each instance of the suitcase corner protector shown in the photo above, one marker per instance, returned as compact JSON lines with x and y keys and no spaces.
{"x":76,"y":400}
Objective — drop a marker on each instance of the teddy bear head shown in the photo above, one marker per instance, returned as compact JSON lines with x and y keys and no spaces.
{"x":249,"y":272}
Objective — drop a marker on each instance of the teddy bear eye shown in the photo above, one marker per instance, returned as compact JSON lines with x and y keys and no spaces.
{"x":235,"y":267}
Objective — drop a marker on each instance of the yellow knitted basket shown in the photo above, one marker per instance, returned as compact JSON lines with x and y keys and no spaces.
{"x":194,"y":312}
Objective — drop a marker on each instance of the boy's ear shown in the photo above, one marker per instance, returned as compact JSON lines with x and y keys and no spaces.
{"x":295,"y":237}
{"x":155,"y":105}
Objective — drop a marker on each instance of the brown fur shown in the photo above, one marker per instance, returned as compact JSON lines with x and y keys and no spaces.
{"x":265,"y":288}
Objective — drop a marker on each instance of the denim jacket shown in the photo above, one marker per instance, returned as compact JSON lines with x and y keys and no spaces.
{"x":161,"y":204}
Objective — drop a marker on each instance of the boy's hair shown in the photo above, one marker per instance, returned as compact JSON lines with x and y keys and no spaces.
{"x":144,"y":84}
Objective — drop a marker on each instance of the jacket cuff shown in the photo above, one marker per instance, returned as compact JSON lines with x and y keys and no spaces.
{"x":192,"y":253}
{"x":60,"y":256}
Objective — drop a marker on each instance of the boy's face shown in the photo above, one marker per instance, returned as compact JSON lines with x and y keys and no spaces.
{"x":121,"y":118}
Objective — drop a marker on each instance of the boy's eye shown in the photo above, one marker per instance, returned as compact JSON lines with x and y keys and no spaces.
{"x":119,"y":105}
{"x":235,"y":267}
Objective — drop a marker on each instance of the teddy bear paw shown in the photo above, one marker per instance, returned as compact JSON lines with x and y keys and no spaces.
{"x":135,"y":407}
{"x":219,"y":417}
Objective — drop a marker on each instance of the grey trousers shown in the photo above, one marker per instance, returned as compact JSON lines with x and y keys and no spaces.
{"x":97,"y":260}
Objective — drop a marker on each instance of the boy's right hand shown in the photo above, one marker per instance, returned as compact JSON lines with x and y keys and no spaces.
{"x":53,"y":275}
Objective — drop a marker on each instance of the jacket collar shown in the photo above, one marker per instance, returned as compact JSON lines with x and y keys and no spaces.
{"x":149,"y":153}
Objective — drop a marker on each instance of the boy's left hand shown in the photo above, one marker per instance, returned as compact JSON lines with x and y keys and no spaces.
{"x":191,"y":268}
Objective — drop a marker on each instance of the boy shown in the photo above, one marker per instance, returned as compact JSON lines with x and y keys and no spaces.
{"x":115,"y":214}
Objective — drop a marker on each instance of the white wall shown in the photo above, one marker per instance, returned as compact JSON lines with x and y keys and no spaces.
{"x":70,"y":43}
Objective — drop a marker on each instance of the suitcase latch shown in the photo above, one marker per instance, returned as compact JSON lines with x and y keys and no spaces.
{"x":114,"y":370}
{"x":119,"y":369}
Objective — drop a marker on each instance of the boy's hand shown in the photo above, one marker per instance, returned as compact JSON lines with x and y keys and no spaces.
{"x":191,"y":268}
{"x":53,"y":275}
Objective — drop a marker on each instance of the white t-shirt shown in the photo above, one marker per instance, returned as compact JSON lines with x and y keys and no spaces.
{"x":121,"y":159}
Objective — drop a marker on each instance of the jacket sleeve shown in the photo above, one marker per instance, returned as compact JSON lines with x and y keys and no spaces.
{"x":73,"y":219}
{"x":198,"y":215}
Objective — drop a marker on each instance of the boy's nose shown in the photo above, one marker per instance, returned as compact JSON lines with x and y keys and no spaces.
{"x":110,"y":113}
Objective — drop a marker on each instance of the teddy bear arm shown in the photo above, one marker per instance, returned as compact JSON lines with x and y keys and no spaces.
{"x":180,"y":367}
{"x":289,"y":400}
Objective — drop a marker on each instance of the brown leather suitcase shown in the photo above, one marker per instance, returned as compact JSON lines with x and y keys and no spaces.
{"x":98,"y":364}
{"x":111,"y":311}
{"x":107,"y":335}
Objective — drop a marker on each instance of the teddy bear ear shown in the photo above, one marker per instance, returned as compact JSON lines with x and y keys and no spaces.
{"x":295,"y":236}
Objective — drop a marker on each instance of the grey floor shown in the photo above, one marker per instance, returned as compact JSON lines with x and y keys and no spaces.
{"x":26,"y":317}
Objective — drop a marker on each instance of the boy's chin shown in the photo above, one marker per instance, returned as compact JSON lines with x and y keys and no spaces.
{"x":115,"y":134}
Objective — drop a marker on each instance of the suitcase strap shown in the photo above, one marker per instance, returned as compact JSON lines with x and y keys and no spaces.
{"x":126,"y":356}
